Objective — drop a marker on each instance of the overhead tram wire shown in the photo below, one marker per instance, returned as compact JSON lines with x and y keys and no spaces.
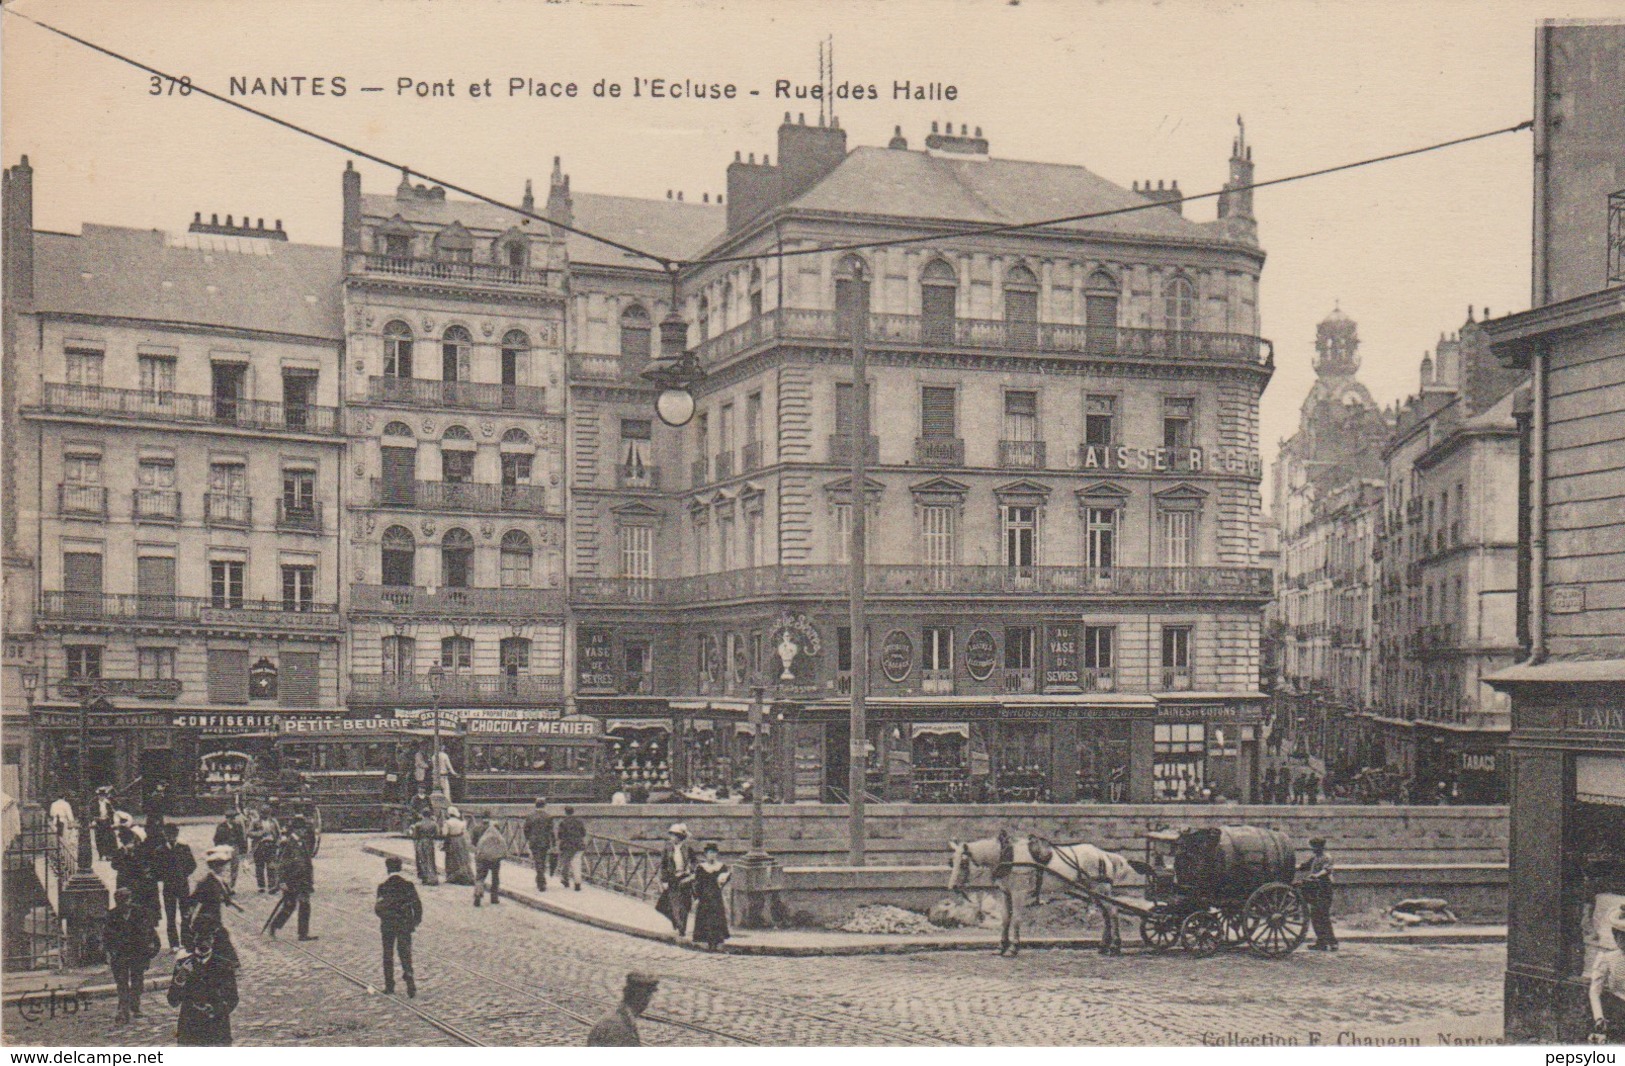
{"x":671,"y":265}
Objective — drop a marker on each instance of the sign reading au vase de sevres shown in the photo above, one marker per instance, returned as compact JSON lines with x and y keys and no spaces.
{"x":981,"y":654}
{"x":595,"y":659}
{"x":897,"y":656}
{"x":262,"y":680}
{"x":1172,"y":460}
{"x":1061,"y":654}
{"x":539,"y":727}
{"x":795,"y":654}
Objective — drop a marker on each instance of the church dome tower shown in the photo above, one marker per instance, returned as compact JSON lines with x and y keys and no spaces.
{"x":1337,"y":346}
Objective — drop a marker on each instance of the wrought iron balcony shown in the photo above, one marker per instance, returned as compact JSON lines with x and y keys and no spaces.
{"x":500,"y":604}
{"x":639,"y":476}
{"x":914,"y":331}
{"x":1098,"y":678}
{"x":751,"y":457}
{"x":476,"y":690}
{"x":193,"y":610}
{"x":1020,"y":680}
{"x":1022,"y":454}
{"x":1176,"y":679}
{"x":939,"y":451}
{"x":228,"y":509}
{"x":459,"y":496}
{"x":841,"y":445}
{"x":155,"y":505}
{"x":460,"y":395}
{"x":303,"y":516}
{"x":937,"y":682}
{"x":483,"y":275}
{"x":172,"y":408}
{"x":86,"y":501}
{"x":925,"y":580}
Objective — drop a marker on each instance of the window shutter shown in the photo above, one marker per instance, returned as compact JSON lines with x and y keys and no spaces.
{"x":936,"y":412}
{"x":299,"y":683}
{"x":82,"y":580}
{"x":228,"y":676}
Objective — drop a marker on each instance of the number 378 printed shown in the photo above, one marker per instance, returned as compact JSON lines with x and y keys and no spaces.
{"x":164,"y":85}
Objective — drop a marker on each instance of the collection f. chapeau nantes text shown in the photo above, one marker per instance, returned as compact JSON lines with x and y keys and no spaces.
{"x":536,"y":88}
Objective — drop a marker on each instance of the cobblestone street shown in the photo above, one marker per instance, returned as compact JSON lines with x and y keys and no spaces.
{"x":513,"y":976}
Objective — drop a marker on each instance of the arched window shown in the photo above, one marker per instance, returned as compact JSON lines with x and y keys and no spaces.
{"x":516,"y":558}
{"x":399,"y":551}
{"x":459,"y":433}
{"x":397,"y":350}
{"x":398,"y":454}
{"x":939,"y":288}
{"x":455,"y":345}
{"x":705,"y":318}
{"x":755,"y":291}
{"x":851,"y":279}
{"x":456,"y":559}
{"x":457,"y":456}
{"x":1100,"y":307}
{"x":1021,"y":305}
{"x":516,"y":436}
{"x":1179,"y":306}
{"x":457,"y":654}
{"x":398,"y":429}
{"x":635,"y":338}
{"x":515,"y":358}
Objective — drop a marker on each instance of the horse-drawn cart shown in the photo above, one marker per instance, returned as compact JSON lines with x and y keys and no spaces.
{"x":1208,"y":889}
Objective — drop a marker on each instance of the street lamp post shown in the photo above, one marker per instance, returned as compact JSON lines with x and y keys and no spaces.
{"x":84,"y":897}
{"x":857,"y":313}
{"x":756,"y":869}
{"x":437,"y":783}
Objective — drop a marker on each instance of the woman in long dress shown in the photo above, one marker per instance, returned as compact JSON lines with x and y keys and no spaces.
{"x":424,"y":832}
{"x":459,"y":859}
{"x":710,"y":914}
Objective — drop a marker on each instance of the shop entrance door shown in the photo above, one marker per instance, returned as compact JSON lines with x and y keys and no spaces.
{"x":157,"y":766}
{"x":837,"y":761}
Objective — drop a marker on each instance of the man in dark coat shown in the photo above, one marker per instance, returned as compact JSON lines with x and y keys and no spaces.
{"x":298,"y":882}
{"x":102,"y":824}
{"x":620,"y":1028}
{"x":130,"y":943}
{"x":1317,"y":892}
{"x":399,"y":911}
{"x":539,"y":835}
{"x":677,"y":875}
{"x":204,"y":905}
{"x":572,"y":838}
{"x":204,"y":987}
{"x":172,"y":864}
{"x":132,"y":870}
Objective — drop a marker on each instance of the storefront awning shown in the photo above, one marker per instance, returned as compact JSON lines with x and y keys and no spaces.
{"x":1600,"y":779}
{"x":941,"y":729}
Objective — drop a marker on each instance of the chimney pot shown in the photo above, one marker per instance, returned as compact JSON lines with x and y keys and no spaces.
{"x":801,"y":119}
{"x":787,"y":118}
{"x":1486,"y":314}
{"x":679,"y":194}
{"x":719,"y":198}
{"x":1159,"y":184}
{"x":228,"y":220}
{"x":933,"y":128}
{"x":1176,"y":184}
{"x":964,"y":130}
{"x":705,"y":197}
{"x":197,"y":218}
{"x":766,"y":162}
{"x":668,"y":194}
{"x":753,"y":158}
{"x":736,"y":157}
{"x":978,"y":131}
{"x":279,"y":225}
{"x":259,"y":223}
{"x":214,"y":220}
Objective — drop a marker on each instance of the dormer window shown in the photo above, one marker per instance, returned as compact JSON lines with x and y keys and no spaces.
{"x":397,"y":246}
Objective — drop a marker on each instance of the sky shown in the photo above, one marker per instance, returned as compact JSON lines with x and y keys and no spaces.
{"x":1131,"y":90}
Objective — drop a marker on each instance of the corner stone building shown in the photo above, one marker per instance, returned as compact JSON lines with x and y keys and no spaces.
{"x":1063,"y":490}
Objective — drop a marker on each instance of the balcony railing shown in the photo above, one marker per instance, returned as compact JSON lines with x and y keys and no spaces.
{"x":939,"y":451}
{"x":187,"y":408}
{"x":196,"y":610}
{"x":1020,"y":680}
{"x":483,"y":274}
{"x":927,"y":580}
{"x":86,"y":500}
{"x":464,"y":395}
{"x":840,"y":449}
{"x":751,"y":457}
{"x":457,"y":602}
{"x":1022,"y":454}
{"x":885,"y":330}
{"x":937,"y":682}
{"x":155,"y":505}
{"x":724,"y":465}
{"x":499,"y":690}
{"x":637,"y":477}
{"x":459,"y":496}
{"x":1176,"y":679}
{"x":305,"y":516}
{"x":1098,"y":678}
{"x":228,"y":509}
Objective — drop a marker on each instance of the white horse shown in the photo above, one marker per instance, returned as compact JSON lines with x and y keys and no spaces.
{"x":1080,"y":864}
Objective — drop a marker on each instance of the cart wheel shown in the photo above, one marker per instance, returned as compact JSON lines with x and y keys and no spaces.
{"x":1276,"y":919}
{"x":1234,"y":921}
{"x":1159,"y":930}
{"x":1202,"y":933}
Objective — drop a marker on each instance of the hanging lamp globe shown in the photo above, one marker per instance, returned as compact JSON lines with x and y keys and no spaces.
{"x":675,"y":373}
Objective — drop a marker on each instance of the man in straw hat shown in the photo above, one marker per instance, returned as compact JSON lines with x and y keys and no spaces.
{"x":1608,"y":987}
{"x":620,"y":1028}
{"x":677,"y":875}
{"x":1317,"y":892}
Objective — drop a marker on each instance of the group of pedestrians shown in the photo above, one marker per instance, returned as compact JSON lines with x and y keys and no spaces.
{"x":692,"y":884}
{"x":1279,"y":785}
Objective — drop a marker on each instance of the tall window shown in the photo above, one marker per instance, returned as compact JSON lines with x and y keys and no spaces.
{"x":515,"y":656}
{"x":84,"y":367}
{"x":299,"y":492}
{"x":516,"y":559}
{"x":1100,"y":537}
{"x":725,"y":431}
{"x":939,"y":289}
{"x":226,"y":583}
{"x":399,"y":656}
{"x":755,"y":292}
{"x":1021,"y":416}
{"x":637,"y":551}
{"x":84,"y":661}
{"x":158,"y":377}
{"x":155,"y":663}
{"x":457,"y":456}
{"x":515,"y":358}
{"x":457,"y":654}
{"x":635,"y":338}
{"x":1100,"y":310}
{"x":1178,"y":414}
{"x":455,"y":345}
{"x":298,"y":588}
{"x":702,"y":445}
{"x":937,"y":412}
{"x":705,"y":318}
{"x":753,"y":537}
{"x":1178,"y":537}
{"x":725,"y":540}
{"x":1020,"y":538}
{"x":1020,"y":647}
{"x":82,"y":468}
{"x":702,"y":543}
{"x":1100,"y":421}
{"x":1179,"y":306}
{"x":1099,"y":642}
{"x":1176,"y":647}
{"x":637,"y":436}
{"x":851,"y":276}
{"x":399,"y":556}
{"x":1021,"y":305}
{"x":397,"y":350}
{"x":456,"y":559}
{"x":939,"y":534}
{"x":937,"y":648}
{"x":841,"y":545}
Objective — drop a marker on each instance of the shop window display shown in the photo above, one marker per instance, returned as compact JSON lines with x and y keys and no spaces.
{"x":640,"y":759}
{"x":1594,"y":854}
{"x":1103,"y":762}
{"x":941,"y":763}
{"x":1179,"y":762}
{"x":1021,"y":755}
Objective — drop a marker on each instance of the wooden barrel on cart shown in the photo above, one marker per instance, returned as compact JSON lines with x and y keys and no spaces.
{"x":1231,"y":861}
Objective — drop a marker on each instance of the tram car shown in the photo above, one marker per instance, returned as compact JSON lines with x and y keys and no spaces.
{"x":518,"y":760}
{"x":1212,"y":888}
